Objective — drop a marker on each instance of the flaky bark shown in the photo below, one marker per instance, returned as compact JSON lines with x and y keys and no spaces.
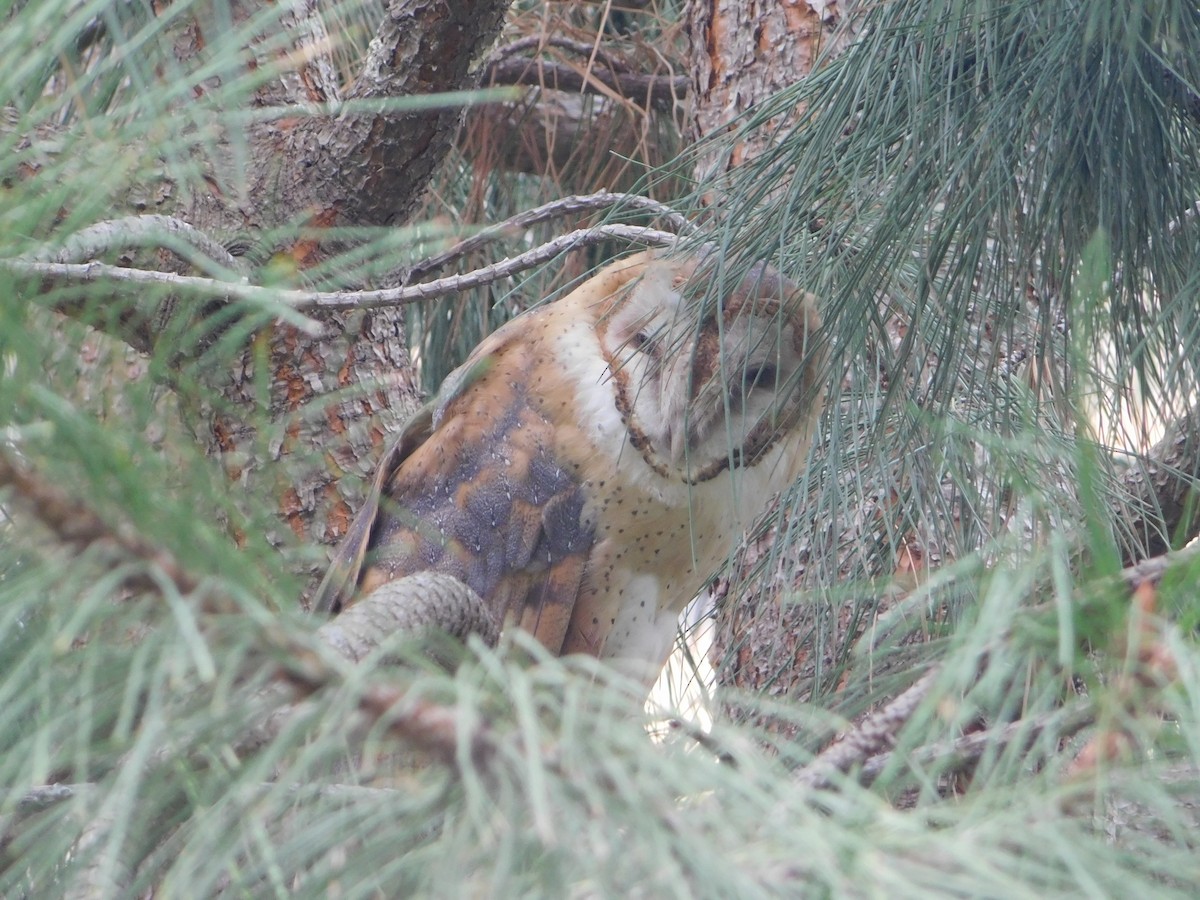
{"x":743,"y":53}
{"x":335,"y":163}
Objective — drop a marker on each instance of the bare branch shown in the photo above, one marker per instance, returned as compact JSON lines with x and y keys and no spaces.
{"x":1151,"y":570}
{"x":562,"y":207}
{"x":19,"y":809}
{"x":410,"y":607}
{"x":311,"y":301}
{"x":874,"y":735}
{"x":657,"y":90}
{"x":190,"y":244}
{"x":962,"y":754}
{"x":541,"y":41}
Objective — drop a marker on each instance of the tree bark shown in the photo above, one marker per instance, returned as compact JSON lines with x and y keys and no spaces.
{"x":742,"y":53}
{"x":330,"y":165}
{"x":1161,"y":506}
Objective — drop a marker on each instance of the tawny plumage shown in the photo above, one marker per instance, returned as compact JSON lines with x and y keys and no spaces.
{"x":597,"y":458}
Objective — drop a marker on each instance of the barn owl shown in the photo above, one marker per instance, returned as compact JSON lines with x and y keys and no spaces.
{"x":597,"y":458}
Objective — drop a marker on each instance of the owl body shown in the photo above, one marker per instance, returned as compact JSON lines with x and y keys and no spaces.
{"x":590,"y":465}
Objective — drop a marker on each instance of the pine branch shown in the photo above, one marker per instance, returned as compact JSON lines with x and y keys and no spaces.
{"x":541,"y":41}
{"x":962,"y":754}
{"x":876,"y":734}
{"x":190,"y":244}
{"x":79,"y":527}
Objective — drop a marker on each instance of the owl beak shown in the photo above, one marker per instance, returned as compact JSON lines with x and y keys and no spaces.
{"x":687,"y":437}
{"x":679,"y":442}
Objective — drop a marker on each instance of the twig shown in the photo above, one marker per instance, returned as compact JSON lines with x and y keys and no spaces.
{"x":305,"y":669}
{"x":874,"y":735}
{"x":703,"y":739}
{"x":962,"y":753}
{"x":312,"y":301}
{"x":31,"y":803}
{"x":541,"y":41}
{"x":655,"y":89}
{"x":190,"y":244}
{"x":37,"y":799}
{"x":556,"y":208}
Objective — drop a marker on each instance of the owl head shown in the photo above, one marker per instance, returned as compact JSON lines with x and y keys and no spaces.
{"x":711,"y":380}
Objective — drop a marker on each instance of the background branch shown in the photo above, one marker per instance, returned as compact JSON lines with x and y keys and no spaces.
{"x":655,"y":90}
{"x":293,"y":301}
{"x":547,"y":212}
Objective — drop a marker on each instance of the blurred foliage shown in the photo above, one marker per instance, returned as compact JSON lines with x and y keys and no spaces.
{"x":993,"y":202}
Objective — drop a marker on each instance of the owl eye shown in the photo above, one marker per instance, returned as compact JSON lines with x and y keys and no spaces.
{"x":756,"y":376}
{"x":646,"y":342}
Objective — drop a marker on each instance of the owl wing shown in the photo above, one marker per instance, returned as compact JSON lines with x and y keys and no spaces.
{"x":341,"y":580}
{"x":475,"y":488}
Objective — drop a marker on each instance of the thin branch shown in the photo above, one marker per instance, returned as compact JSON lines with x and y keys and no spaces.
{"x":311,"y":301}
{"x":541,"y":41}
{"x":963,"y":753}
{"x":869,"y":744}
{"x":190,"y":244}
{"x":16,"y":809}
{"x":563,"y":207}
{"x":1151,"y":571}
{"x":874,"y":735}
{"x":303,"y":666}
{"x":658,"y":90}
{"x":430,"y":727}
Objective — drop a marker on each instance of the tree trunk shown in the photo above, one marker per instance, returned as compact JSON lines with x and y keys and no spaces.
{"x":302,"y":175}
{"x":742,"y":53}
